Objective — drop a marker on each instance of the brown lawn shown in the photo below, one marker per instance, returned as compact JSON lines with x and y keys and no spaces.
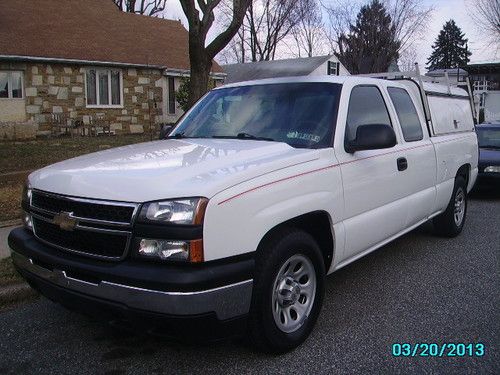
{"x":27,"y":156}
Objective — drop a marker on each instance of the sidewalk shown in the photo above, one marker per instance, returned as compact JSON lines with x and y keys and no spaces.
{"x":4,"y":247}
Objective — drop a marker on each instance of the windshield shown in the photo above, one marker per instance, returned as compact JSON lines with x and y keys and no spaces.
{"x":488,"y":138}
{"x":300,"y":114}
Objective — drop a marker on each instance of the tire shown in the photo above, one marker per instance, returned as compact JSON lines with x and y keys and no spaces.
{"x":279,"y":322}
{"x":451,"y":222}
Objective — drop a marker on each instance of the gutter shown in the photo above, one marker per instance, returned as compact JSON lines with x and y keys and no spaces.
{"x":75,"y":61}
{"x":167,"y":71}
{"x":186,"y":73}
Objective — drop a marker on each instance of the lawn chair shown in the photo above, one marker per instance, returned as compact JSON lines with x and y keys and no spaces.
{"x":99,"y":125}
{"x":61,"y":124}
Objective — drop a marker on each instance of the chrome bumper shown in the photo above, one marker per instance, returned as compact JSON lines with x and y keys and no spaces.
{"x":227,"y":302}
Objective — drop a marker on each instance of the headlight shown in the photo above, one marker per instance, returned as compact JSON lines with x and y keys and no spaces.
{"x":492,"y":169}
{"x":178,"y":211}
{"x":171,"y":250}
{"x":191,"y":251}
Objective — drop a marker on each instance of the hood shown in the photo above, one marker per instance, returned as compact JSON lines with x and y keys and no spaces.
{"x":167,"y":169}
{"x":489,"y":156}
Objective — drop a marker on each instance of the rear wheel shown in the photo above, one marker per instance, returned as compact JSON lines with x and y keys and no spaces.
{"x":451,"y":222}
{"x":288,"y":291}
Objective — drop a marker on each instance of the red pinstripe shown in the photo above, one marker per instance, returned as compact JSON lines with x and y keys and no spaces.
{"x":333,"y":166}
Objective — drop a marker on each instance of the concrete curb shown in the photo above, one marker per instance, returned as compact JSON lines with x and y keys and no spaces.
{"x":10,"y":223}
{"x":4,"y":246}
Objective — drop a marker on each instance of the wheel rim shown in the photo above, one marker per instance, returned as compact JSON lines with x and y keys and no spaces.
{"x":459,"y":210}
{"x":294,"y":290}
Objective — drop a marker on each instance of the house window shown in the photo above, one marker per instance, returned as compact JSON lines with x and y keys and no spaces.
{"x":11,"y":85}
{"x":104,"y":88}
{"x":333,"y":68}
{"x":171,"y":95}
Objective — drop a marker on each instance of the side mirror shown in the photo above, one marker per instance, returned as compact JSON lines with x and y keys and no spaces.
{"x":372,"y":137}
{"x":165,"y":130}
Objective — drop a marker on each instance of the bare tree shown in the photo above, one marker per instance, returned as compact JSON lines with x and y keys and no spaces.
{"x":308,"y":33}
{"x":146,"y":7}
{"x":486,"y":15}
{"x":410,"y":18}
{"x":267,"y":23}
{"x":341,"y":14}
{"x":236,"y":50}
{"x":201,"y":18}
{"x":407,"y":60}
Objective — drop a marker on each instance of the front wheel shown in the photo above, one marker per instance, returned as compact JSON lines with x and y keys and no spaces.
{"x":451,"y":222}
{"x":288,"y":291}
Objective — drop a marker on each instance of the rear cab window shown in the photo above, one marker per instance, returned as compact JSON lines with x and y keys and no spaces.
{"x":407,"y":114}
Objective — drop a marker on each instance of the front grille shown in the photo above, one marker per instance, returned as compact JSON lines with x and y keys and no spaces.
{"x":96,"y":228}
{"x":80,"y":208}
{"x":111,"y":245}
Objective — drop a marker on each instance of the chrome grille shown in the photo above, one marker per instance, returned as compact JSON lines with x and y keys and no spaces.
{"x":99,"y":229}
{"x":84,"y":208}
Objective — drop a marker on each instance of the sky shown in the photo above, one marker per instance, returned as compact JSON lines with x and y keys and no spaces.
{"x":444,"y":10}
{"x":459,"y":10}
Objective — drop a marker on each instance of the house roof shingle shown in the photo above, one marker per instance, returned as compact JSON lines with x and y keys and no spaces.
{"x":92,"y":31}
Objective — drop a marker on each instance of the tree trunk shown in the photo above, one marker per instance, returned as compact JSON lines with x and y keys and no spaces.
{"x":201,"y":64}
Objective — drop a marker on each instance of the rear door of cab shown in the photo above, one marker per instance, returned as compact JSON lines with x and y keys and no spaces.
{"x":420,"y":175}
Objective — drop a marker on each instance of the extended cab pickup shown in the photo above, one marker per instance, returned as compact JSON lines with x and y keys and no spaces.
{"x":262,"y":189}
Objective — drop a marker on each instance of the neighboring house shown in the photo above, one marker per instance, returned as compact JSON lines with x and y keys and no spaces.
{"x":87,"y":58}
{"x":485,"y":81}
{"x":309,"y":66}
{"x":456,"y":76}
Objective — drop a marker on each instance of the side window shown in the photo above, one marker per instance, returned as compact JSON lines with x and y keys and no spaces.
{"x":366,"y":107}
{"x":407,"y":114}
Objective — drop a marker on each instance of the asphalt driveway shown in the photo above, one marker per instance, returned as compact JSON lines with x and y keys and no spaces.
{"x":417,"y":289}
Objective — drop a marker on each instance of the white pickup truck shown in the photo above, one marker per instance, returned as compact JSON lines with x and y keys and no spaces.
{"x":260,"y":191}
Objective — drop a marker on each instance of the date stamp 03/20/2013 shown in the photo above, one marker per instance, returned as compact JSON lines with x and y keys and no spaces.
{"x":443,"y":350}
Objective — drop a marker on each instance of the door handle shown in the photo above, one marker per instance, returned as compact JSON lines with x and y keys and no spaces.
{"x":402,"y":164}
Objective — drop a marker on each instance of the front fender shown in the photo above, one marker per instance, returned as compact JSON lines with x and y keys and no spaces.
{"x":238,"y":218}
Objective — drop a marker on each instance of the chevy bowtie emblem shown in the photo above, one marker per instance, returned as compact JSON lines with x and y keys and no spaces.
{"x":66,"y":221}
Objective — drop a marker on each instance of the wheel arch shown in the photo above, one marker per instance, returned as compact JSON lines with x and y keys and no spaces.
{"x":318,"y":224}
{"x":464,"y":171}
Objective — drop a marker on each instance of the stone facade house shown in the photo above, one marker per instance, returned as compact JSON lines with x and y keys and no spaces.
{"x":85,"y":59}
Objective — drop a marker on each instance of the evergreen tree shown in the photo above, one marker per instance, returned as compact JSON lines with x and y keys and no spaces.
{"x":371,"y":44}
{"x":449,"y":49}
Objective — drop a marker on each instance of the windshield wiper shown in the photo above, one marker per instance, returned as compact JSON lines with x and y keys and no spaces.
{"x":244,"y":136}
{"x":177,"y":135}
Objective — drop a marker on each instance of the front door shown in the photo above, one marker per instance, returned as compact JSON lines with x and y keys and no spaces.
{"x":375,"y":188}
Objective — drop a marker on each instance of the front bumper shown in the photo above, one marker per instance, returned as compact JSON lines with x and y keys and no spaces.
{"x":149,"y":287}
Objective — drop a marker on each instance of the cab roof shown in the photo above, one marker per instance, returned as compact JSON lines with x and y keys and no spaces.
{"x":434,"y":87}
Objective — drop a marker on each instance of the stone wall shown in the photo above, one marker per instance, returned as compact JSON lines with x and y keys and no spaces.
{"x":58,"y":88}
{"x":18,"y":130}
